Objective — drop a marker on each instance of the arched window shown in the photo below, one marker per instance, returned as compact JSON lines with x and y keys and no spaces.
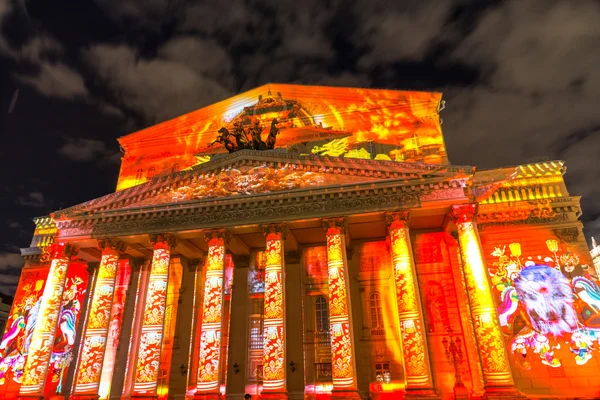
{"x":175,"y":168}
{"x":151,"y":173}
{"x":322,"y":314}
{"x":377,"y":327}
{"x":139,"y":176}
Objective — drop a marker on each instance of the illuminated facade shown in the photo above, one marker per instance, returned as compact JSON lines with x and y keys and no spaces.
{"x":347,"y":259}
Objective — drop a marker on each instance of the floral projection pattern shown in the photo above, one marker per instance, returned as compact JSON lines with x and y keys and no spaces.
{"x":92,"y":353}
{"x":549,"y":304}
{"x":274,"y":343}
{"x":342,"y":362}
{"x":487,"y":331}
{"x":210,"y":338}
{"x":413,"y":342}
{"x":148,"y":358}
{"x":19,"y":328}
{"x":38,"y":357}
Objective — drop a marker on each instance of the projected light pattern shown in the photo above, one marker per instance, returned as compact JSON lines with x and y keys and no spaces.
{"x":496,"y":370}
{"x":40,"y":349}
{"x":209,"y":360}
{"x":556,"y":293}
{"x":148,"y":357}
{"x":94,"y":343}
{"x":19,"y":328}
{"x":342,"y":361}
{"x":274,"y":313}
{"x":411,"y":326}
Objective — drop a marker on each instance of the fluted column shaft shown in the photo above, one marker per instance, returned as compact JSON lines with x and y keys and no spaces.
{"x":209,"y":359}
{"x":274,"y":364}
{"x":343,"y":362}
{"x":410,"y":314}
{"x":40,"y":349}
{"x":496,"y":368}
{"x":150,"y":344}
{"x":92,"y":352}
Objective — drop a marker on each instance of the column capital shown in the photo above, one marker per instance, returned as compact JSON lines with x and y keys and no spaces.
{"x":163,"y":239}
{"x":463,"y":213}
{"x":280,"y":228}
{"x":339,"y":223}
{"x":221,"y":233}
{"x":136,"y":263}
{"x":92,"y":266}
{"x":195,"y":263}
{"x":241,"y":261}
{"x":114,"y":244}
{"x":63,"y":250}
{"x":397,"y":219}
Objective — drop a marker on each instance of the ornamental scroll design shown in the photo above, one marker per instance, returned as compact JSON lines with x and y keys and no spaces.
{"x":113,"y":244}
{"x":335,"y":223}
{"x":215,"y":234}
{"x":163,"y":239}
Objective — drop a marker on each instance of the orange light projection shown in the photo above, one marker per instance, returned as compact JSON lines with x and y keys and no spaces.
{"x":387,"y":124}
{"x":496,"y":370}
{"x":209,"y":360}
{"x":274,"y":312}
{"x":151,"y":338}
{"x":411,"y":323}
{"x":40,"y":349}
{"x":342,"y":343}
{"x":96,"y":332}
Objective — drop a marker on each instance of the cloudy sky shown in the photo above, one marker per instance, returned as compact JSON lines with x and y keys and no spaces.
{"x":521,"y":80}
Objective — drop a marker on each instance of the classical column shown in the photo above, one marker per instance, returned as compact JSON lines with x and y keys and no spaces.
{"x":496,"y":368}
{"x":91,"y":361}
{"x":294,"y":326}
{"x":410,"y":315}
{"x":150,"y":344}
{"x":274,"y":361}
{"x":40,"y":349}
{"x":209,"y":359}
{"x":343,"y":363}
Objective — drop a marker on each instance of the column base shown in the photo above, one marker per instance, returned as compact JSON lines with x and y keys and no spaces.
{"x":351,"y":394}
{"x":421,"y":393}
{"x":81,"y":397}
{"x":502,"y":393}
{"x":207,"y":396}
{"x":273,"y":395}
{"x":461,"y":392}
{"x":30,"y":397}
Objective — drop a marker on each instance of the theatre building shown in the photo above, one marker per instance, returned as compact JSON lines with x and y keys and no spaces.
{"x":302,"y":242}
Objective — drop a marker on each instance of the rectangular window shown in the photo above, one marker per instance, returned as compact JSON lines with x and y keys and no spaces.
{"x":323,"y":372}
{"x":382,"y":370}
{"x":256,"y":333}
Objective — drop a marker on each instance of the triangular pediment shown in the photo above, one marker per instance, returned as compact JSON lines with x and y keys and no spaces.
{"x":247,"y":174}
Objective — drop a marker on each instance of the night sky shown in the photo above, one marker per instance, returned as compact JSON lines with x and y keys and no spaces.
{"x":521,"y":80}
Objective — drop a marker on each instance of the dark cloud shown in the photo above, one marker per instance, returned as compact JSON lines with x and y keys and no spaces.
{"x":10,"y":265}
{"x":84,"y":150}
{"x":32,"y":199}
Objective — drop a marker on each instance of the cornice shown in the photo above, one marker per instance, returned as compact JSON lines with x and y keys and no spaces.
{"x":257,"y":212}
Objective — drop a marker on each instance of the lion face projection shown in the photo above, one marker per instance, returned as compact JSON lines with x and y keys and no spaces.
{"x":547,"y":298}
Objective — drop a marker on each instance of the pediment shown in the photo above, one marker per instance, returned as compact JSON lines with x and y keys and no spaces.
{"x":249,"y":174}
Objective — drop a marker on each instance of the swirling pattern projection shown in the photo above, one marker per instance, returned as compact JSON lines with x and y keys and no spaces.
{"x":342,"y":362}
{"x":413,"y":341}
{"x":40,"y":349}
{"x":94,"y":345}
{"x":209,"y":359}
{"x":274,"y":343}
{"x":148,"y":357}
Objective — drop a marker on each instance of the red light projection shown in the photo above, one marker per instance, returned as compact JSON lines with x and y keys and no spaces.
{"x":274,"y":341}
{"x":249,"y":180}
{"x":365,"y":123}
{"x":64,"y":340}
{"x":148,"y":358}
{"x":209,"y":362}
{"x":39,"y":354}
{"x":19,"y":329}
